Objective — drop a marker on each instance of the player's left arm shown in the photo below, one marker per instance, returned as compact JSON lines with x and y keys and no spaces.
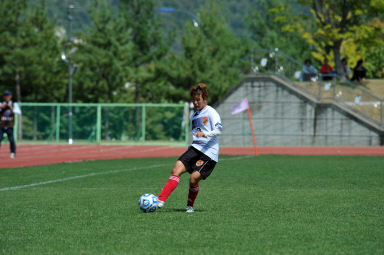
{"x":217,"y":126}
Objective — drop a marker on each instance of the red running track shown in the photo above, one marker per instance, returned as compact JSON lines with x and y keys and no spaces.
{"x":30,"y":155}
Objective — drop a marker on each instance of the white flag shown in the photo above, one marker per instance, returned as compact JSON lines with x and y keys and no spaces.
{"x":240,"y":107}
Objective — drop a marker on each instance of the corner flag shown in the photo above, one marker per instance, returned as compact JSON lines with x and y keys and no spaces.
{"x":243,"y":106}
{"x":240,"y":107}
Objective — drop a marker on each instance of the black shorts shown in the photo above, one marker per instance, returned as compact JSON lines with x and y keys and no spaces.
{"x":195,"y":160}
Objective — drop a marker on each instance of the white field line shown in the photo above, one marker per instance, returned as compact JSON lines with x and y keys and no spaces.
{"x":95,"y":174}
{"x":79,"y":177}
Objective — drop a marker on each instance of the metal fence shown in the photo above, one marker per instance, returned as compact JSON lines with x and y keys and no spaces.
{"x":103,"y":123}
{"x":337,"y":89}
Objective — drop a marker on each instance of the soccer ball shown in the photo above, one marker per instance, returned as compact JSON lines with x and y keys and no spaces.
{"x":148,"y":203}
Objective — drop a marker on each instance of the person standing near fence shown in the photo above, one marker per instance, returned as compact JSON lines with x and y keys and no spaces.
{"x":7,"y":120}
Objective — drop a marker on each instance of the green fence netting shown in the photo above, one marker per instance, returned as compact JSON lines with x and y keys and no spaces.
{"x":103,"y":123}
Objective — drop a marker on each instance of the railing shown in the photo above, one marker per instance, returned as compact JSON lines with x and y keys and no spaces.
{"x":336,"y":89}
{"x":103,"y":123}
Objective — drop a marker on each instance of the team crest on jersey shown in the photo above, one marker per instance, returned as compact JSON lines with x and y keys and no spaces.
{"x":205,"y":121}
{"x":199,"y":163}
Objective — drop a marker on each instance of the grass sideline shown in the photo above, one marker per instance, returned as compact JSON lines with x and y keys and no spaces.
{"x":270,"y":204}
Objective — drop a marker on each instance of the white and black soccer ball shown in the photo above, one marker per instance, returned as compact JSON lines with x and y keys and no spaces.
{"x":148,"y":203}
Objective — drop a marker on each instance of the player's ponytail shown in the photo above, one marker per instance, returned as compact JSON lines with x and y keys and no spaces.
{"x":201,"y":89}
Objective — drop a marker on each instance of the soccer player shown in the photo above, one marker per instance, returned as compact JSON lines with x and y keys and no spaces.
{"x":201,"y":157}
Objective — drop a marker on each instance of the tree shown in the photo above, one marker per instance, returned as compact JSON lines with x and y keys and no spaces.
{"x":11,"y":59}
{"x":212,"y":54}
{"x":29,"y":56}
{"x":266,"y":23}
{"x":337,"y":21}
{"x":47,"y":75}
{"x":30,"y":53}
{"x":148,"y":49}
{"x":103,"y":57}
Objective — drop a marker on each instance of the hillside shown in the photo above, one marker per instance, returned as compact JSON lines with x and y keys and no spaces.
{"x":235,"y":11}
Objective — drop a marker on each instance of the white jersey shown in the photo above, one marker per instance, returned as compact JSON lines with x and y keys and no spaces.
{"x":207,"y":121}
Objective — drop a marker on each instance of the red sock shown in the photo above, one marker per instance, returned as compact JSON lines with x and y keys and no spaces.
{"x":172,"y":183}
{"x":193,"y":191}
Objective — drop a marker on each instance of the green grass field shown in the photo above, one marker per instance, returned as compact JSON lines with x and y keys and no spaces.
{"x":264,"y":205}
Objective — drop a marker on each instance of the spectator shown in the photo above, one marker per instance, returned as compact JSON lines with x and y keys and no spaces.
{"x":326,"y":71}
{"x":359,"y":71}
{"x":7,"y":120}
{"x":309,"y":72}
{"x":345,"y":70}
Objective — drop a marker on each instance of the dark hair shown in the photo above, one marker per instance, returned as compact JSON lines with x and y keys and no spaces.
{"x":344,"y":60}
{"x":358,"y":63}
{"x":307,"y":61}
{"x":201,"y":89}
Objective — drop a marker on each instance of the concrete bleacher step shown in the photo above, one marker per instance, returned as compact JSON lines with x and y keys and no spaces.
{"x":286,"y":114}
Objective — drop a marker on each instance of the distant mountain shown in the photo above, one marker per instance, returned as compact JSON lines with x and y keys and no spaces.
{"x":235,"y":11}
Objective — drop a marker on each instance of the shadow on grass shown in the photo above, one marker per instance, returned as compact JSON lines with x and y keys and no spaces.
{"x":169,"y":210}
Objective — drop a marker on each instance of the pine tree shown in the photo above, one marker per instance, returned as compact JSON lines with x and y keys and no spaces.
{"x":103,"y":57}
{"x":212,"y":55}
{"x":47,"y":75}
{"x":11,"y":36}
{"x":149,"y":48}
{"x":30,"y":55}
{"x":29,"y":59}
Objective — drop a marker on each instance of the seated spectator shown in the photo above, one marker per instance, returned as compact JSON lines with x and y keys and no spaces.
{"x":326,"y":70}
{"x":309,"y":72}
{"x":345,"y":70}
{"x":359,"y":72}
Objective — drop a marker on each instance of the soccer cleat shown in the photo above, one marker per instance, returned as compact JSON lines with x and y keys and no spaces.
{"x":12,"y":155}
{"x":189,"y":209}
{"x":160,"y":204}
